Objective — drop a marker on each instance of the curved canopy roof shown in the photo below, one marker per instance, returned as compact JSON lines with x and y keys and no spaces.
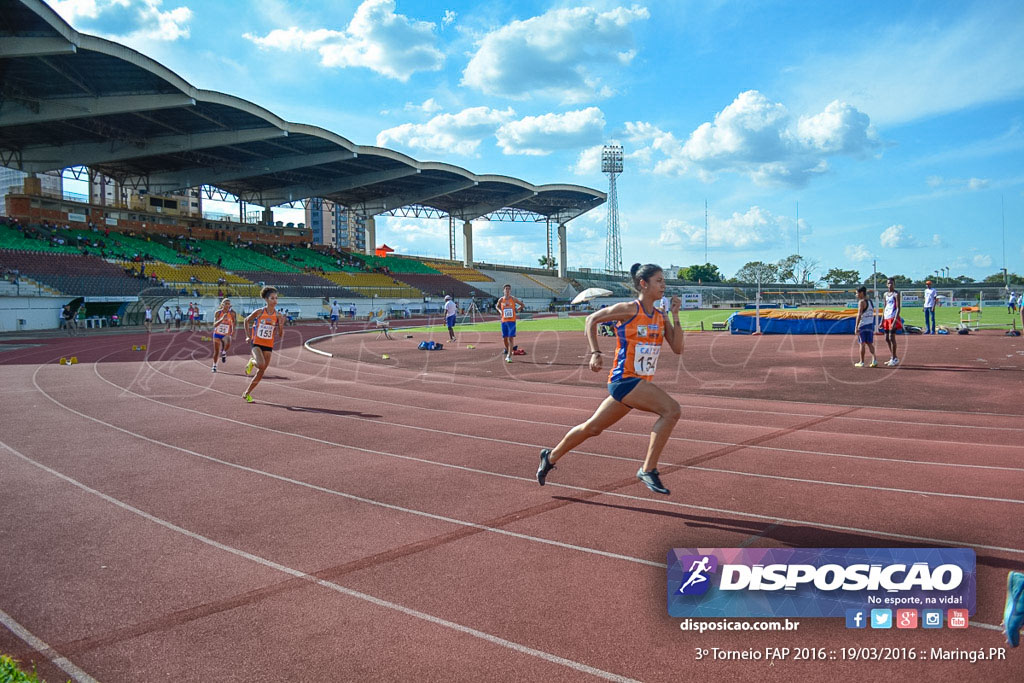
{"x":69,"y":99}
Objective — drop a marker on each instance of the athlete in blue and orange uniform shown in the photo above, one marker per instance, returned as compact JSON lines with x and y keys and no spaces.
{"x":640,"y":329}
{"x":262,"y":327}
{"x":508,"y":307}
{"x":223,"y":328}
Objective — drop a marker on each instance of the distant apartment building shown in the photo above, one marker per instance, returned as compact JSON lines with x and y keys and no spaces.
{"x":335,"y":225}
{"x":104,"y":191}
{"x":12,"y":181}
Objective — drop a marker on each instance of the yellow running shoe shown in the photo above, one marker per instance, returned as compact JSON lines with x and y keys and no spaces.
{"x":248,"y":367}
{"x":249,"y":399}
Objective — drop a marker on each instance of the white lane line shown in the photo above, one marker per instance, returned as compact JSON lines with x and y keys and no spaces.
{"x":677,"y":395}
{"x":42,"y":648}
{"x":643,"y":436}
{"x":702,"y":508}
{"x":704,"y":407}
{"x":334,"y":492}
{"x":537,"y":447}
{"x":379,"y":602}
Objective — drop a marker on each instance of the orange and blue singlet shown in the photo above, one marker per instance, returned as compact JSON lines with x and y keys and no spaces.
{"x":639,"y":346}
{"x":507,"y":306}
{"x":224,"y":324}
{"x":263,"y":329}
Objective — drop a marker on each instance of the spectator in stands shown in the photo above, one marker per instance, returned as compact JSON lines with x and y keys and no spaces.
{"x":450,"y":309}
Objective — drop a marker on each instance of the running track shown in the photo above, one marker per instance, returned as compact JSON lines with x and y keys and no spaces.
{"x":379,"y":519}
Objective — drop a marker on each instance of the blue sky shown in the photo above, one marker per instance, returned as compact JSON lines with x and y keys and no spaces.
{"x":898,"y":128}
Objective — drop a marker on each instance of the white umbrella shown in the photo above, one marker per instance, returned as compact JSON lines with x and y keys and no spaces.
{"x":591,"y":294}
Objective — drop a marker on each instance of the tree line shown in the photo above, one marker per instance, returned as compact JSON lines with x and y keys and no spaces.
{"x":800,"y":270}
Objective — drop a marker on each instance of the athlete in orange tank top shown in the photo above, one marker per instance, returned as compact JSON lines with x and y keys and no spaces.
{"x":223,"y":328}
{"x":262,"y":327}
{"x":640,"y":330}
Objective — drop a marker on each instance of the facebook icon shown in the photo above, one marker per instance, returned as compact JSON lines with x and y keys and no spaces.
{"x":856,"y":618}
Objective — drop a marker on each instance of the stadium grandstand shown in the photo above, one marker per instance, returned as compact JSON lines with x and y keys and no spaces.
{"x":152,"y":147}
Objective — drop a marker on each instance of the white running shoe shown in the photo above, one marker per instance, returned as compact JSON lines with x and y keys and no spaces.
{"x":214,"y":368}
{"x":859,"y":365}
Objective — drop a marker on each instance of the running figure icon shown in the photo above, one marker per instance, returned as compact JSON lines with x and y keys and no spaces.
{"x":697,"y":571}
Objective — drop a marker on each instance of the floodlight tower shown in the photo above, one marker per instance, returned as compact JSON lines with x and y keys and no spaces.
{"x":611,"y":163}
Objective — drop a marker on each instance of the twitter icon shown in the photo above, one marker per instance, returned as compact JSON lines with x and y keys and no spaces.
{"x":881,"y":618}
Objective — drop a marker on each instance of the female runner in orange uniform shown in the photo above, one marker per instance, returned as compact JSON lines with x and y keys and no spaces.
{"x":262,"y":327}
{"x":640,"y":329}
{"x":223,"y":328}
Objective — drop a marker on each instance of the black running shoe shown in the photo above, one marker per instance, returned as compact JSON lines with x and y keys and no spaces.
{"x":653,"y":481}
{"x":545,"y":466}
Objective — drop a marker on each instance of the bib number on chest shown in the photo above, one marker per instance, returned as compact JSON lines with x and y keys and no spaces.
{"x":264,"y":331}
{"x":645,"y":359}
{"x":507,"y":312}
{"x":222,"y":329}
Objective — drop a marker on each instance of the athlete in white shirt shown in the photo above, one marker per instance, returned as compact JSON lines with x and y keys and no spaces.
{"x":891,"y":322}
{"x":929,"y":308}
{"x":450,"y":309}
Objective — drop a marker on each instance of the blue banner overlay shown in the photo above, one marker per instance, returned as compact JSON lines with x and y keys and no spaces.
{"x":817,"y":582}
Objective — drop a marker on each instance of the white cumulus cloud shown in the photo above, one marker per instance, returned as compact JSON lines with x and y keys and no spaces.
{"x":759,"y":138}
{"x":982,"y":261}
{"x":744,"y":231}
{"x":588,"y":162}
{"x":857,"y":253}
{"x":897,"y":237}
{"x":376,"y":38}
{"x":564,"y":53}
{"x":449,"y":17}
{"x":429,"y":106}
{"x":459,"y":133}
{"x":540,"y":135}
{"x":136,"y":21}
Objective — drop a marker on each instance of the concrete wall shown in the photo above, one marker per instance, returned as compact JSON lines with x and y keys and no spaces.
{"x":43,"y":313}
{"x":38,"y":312}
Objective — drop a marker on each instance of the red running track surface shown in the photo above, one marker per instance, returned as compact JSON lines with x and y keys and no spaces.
{"x":379,"y":519}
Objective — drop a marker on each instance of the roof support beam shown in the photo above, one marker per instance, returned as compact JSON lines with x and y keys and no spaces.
{"x":14,"y":46}
{"x":38,"y":159}
{"x":205,"y":175}
{"x":473,"y":212}
{"x":283,"y":195}
{"x":376,"y":206}
{"x":45,"y":111}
